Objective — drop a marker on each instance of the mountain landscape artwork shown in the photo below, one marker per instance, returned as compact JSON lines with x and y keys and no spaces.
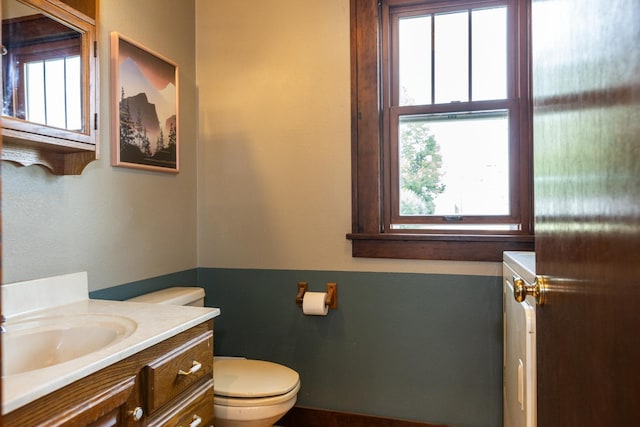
{"x":146,"y":93}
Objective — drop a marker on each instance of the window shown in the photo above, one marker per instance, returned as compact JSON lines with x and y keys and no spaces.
{"x":441,"y":129}
{"x":53,"y":93}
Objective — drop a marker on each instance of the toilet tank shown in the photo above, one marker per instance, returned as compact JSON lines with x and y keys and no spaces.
{"x":181,"y":295}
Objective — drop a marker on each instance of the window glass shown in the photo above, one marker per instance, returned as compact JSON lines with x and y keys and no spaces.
{"x":489,"y":54}
{"x":74,"y":93}
{"x":414,"y":41}
{"x":34,"y":92}
{"x":454,"y":164}
{"x":52,"y":92}
{"x":54,"y":83}
{"x":451,"y":57}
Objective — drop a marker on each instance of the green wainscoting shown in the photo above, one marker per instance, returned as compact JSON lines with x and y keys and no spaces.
{"x":401,"y":345}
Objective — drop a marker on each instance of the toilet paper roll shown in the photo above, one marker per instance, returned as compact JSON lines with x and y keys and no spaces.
{"x":313,"y":304}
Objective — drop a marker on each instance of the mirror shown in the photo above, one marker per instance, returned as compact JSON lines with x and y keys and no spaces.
{"x":41,"y":67}
{"x":49,"y":68}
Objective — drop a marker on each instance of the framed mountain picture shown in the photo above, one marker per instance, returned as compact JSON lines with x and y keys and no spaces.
{"x":144,"y":108}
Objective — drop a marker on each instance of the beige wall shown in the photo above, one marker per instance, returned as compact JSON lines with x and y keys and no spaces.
{"x":274,"y":139}
{"x":118,"y":224}
{"x":267,"y":128}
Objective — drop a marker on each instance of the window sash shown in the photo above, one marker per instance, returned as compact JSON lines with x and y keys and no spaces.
{"x":394,"y":10}
{"x":393,"y":215}
{"x":392,"y":111}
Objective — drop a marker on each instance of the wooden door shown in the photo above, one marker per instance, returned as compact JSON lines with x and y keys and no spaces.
{"x":586,"y":83}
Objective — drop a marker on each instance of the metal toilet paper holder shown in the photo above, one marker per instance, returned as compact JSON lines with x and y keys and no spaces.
{"x":331,"y":299}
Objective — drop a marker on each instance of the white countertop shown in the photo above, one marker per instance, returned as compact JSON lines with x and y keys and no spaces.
{"x":154,"y":323}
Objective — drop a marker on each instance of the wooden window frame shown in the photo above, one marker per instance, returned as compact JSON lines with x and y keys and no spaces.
{"x":370,"y":235}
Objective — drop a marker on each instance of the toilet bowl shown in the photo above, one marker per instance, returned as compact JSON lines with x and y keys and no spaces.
{"x":252,"y":393}
{"x":247,"y":393}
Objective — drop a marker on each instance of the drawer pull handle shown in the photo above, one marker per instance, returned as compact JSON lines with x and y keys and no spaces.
{"x":194,"y":368}
{"x":195,"y":423}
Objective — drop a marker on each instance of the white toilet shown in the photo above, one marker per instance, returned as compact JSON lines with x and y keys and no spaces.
{"x":247,"y":393}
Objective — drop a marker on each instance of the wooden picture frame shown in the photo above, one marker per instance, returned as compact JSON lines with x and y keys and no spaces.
{"x":144,"y":108}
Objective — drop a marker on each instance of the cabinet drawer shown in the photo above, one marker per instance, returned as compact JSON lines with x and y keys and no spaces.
{"x":174,"y":373}
{"x":194,"y":410}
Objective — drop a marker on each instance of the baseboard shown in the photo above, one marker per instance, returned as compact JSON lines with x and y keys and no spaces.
{"x":310,"y":417}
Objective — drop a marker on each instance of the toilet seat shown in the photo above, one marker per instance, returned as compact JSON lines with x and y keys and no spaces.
{"x":246,"y":382}
{"x":258,"y":401}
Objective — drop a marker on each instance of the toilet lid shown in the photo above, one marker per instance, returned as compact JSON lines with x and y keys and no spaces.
{"x":252,"y":378}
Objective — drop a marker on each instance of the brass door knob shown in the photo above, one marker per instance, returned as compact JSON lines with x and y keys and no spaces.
{"x":537,"y":290}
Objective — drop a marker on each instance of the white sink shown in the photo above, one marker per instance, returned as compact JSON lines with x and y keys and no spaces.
{"x":39,"y":342}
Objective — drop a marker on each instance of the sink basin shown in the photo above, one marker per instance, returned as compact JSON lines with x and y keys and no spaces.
{"x":40,"y":342}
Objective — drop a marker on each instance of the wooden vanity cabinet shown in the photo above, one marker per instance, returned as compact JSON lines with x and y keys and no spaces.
{"x":169,"y":384}
{"x":179,"y":385}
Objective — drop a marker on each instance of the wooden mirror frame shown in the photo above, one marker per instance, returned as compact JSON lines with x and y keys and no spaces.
{"x":61,"y":151}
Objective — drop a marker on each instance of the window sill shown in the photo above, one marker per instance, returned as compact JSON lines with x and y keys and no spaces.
{"x":438,"y":247}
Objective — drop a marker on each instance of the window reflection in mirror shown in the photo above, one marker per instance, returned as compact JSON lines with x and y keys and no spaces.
{"x":42,"y":76}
